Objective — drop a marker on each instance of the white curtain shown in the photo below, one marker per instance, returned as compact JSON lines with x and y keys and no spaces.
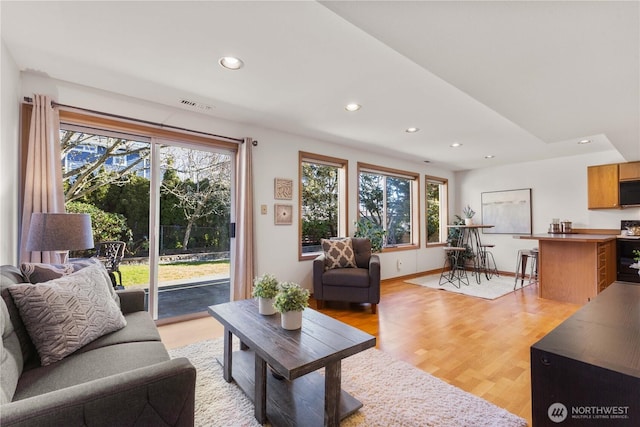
{"x":43,"y":174}
{"x":244,"y":247}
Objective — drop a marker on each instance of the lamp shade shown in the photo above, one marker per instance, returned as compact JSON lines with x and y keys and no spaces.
{"x":59,"y":232}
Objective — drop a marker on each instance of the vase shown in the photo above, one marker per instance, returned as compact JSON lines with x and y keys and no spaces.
{"x":468,"y":221}
{"x":265,"y":306}
{"x":291,"y":320}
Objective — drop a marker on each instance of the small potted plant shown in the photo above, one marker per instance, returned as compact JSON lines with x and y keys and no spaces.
{"x":468,"y":215}
{"x":291,"y":302}
{"x":636,"y":258}
{"x":265,"y":288}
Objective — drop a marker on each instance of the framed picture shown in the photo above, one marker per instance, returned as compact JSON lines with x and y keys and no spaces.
{"x":284,"y":214}
{"x":283,"y":189}
{"x":508,"y":211}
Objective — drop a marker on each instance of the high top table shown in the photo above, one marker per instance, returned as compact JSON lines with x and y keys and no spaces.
{"x":303,"y":397}
{"x":470,"y":236}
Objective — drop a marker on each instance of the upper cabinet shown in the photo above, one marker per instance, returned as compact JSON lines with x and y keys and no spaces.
{"x":629,"y":171}
{"x":602,"y":186}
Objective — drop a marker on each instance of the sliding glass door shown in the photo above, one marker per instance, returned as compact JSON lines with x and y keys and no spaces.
{"x":169,"y":202}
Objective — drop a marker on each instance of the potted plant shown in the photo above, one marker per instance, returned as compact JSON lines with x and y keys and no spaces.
{"x":265,"y":288}
{"x":636,"y":258}
{"x":291,"y":301}
{"x":468,"y":215}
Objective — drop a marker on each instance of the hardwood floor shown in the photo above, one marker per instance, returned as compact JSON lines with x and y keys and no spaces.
{"x":477,"y":345}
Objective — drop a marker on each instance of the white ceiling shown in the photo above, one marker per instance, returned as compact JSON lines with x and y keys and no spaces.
{"x":518,"y":80}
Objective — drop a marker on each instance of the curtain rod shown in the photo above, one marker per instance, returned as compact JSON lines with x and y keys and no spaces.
{"x":147,"y":122}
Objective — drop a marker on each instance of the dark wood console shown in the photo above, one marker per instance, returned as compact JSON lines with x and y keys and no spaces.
{"x":588,"y":368}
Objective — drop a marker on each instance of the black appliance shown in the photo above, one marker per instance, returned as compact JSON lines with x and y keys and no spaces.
{"x":625,"y":247}
{"x":629,"y":193}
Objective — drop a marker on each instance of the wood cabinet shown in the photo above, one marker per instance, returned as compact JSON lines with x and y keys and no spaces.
{"x":602,"y":185}
{"x":629,"y":171}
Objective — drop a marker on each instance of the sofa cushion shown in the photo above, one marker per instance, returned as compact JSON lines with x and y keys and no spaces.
{"x":64,"y":314}
{"x":140,"y":327}
{"x":338,"y":253}
{"x":89,"y":366}
{"x":11,"y":362}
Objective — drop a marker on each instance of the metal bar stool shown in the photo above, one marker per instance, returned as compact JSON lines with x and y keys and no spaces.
{"x":456,"y":274}
{"x":521,"y":266}
{"x":488,"y":261}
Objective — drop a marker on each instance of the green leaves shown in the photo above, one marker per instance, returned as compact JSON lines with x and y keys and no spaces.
{"x":265,"y":286}
{"x":291,"y":297}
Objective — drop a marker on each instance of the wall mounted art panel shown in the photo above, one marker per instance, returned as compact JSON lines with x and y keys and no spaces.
{"x":508,"y":211}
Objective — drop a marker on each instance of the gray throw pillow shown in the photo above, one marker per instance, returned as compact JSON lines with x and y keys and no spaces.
{"x":36,"y":272}
{"x":65,"y":314}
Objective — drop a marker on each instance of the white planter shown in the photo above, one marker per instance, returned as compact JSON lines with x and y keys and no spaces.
{"x":468,"y":221}
{"x":291,"y":320}
{"x":265,"y":306}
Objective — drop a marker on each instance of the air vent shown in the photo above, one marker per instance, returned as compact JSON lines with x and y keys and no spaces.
{"x":195,"y":105}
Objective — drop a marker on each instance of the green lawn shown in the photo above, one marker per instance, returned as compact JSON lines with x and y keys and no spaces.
{"x":137,"y":275}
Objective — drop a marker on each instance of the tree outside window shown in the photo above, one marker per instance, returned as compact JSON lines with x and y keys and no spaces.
{"x":322,"y":204}
{"x":436,"y":209}
{"x":386,"y":201}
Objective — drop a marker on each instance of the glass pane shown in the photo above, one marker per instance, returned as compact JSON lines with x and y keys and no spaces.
{"x":398,"y":192}
{"x":195,"y":197}
{"x":433,"y":212}
{"x":108,"y":178}
{"x":371,"y":213}
{"x":319,"y":205}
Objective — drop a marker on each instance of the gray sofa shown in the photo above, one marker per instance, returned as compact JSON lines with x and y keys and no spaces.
{"x":124,"y":378}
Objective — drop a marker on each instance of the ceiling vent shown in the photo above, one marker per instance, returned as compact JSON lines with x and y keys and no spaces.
{"x":195,"y":105}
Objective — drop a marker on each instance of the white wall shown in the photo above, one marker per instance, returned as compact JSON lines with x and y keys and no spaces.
{"x":558,"y":190}
{"x":9,"y":153}
{"x":275,"y":156}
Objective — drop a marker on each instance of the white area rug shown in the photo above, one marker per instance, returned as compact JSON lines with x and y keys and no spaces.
{"x":487,"y":289}
{"x":393,"y":392}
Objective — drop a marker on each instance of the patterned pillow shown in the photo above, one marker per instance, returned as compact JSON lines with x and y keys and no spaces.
{"x":36,"y":272}
{"x":65,"y":314}
{"x":338,"y":253}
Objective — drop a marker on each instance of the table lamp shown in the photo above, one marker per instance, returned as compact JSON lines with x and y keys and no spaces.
{"x":59,"y":232}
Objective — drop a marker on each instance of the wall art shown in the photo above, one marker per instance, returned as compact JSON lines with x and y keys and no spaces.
{"x":283,"y":189}
{"x":284,"y":214}
{"x":508,"y":211}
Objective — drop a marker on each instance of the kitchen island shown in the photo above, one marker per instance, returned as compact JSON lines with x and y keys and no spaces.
{"x":574,"y":267}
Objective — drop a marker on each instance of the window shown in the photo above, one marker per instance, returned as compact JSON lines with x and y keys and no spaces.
{"x":323,"y":201}
{"x":388,"y":200}
{"x":436,"y":209}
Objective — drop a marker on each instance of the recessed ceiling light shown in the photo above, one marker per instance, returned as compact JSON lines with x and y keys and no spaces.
{"x":489,"y":156}
{"x":412,"y":130}
{"x":231,"y":63}
{"x":456,"y":145}
{"x":352,"y":107}
{"x":584,"y":141}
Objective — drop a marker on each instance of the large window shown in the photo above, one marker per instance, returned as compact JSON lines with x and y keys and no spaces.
{"x":323,"y":206}
{"x":436,"y":208}
{"x":388,"y":202}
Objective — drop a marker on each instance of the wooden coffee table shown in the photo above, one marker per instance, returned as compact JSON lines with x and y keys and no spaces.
{"x":298,"y":398}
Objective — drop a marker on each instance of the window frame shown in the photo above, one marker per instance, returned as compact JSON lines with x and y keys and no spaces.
{"x":343,"y":195}
{"x":415,"y":201}
{"x":444,"y":210}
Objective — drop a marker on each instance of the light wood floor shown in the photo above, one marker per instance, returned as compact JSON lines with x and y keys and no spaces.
{"x":477,"y":345}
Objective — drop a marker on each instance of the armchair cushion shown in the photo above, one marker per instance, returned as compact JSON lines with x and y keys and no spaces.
{"x":36,"y":272}
{"x":338,"y":253}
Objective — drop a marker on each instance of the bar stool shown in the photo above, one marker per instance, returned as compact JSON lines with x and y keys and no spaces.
{"x":456,"y":275}
{"x":488,"y":262}
{"x":521,"y":266}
